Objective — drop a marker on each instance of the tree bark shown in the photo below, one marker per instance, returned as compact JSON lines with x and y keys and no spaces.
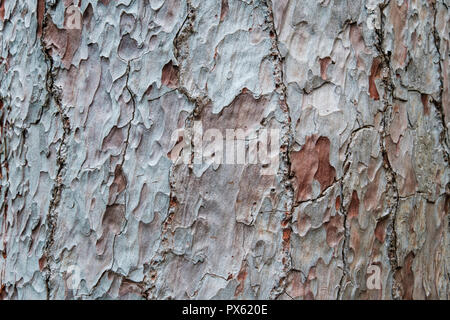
{"x":97,"y":201}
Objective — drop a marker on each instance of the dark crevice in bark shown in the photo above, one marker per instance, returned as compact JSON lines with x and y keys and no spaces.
{"x":285,"y":149}
{"x":391,"y":186}
{"x":443,"y":139}
{"x":345,"y":245}
{"x":344,"y":213}
{"x":322,"y":194}
{"x":149,"y":281}
{"x":186,"y":29}
{"x":444,"y":136}
{"x":343,"y":210}
{"x":53,"y":94}
{"x":133,"y":102}
{"x":4,"y":174}
{"x":180,"y":52}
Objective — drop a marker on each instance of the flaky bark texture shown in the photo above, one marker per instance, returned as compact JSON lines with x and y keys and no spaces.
{"x":359,"y":90}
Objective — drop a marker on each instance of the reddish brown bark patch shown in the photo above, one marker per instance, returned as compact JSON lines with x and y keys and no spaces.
{"x":42,"y":261}
{"x":87,"y":16}
{"x":113,"y":218}
{"x":2,"y":292}
{"x":353,"y":209}
{"x":312,"y":162}
{"x":169,"y":76}
{"x":113,"y":140}
{"x":426,"y":108}
{"x":325,"y":172}
{"x":40,"y":16}
{"x":405,"y":276}
{"x":119,"y":184}
{"x":64,"y":42}
{"x":287,"y":237}
{"x":304,"y":166}
{"x":241,"y":278}
{"x":374,"y":74}
{"x":380,"y":230}
{"x":324,"y":63}
{"x":338,"y":203}
{"x":2,"y":9}
{"x":111,"y":224}
{"x":224,"y":10}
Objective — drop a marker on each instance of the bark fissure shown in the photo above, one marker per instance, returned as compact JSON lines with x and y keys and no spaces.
{"x":387,"y":98}
{"x":285,"y":149}
{"x":184,"y":32}
{"x":344,"y":212}
{"x":4,"y":173}
{"x":53,"y":94}
{"x":133,"y":114}
{"x":343,"y":209}
{"x":438,"y":103}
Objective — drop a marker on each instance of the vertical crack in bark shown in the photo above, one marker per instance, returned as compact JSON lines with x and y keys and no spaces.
{"x":180,"y":53}
{"x":344,"y":213}
{"x":443,"y":139}
{"x":4,"y":174}
{"x":52,"y":214}
{"x":391,"y":186}
{"x":185,"y":30}
{"x":345,"y":244}
{"x":285,"y":148}
{"x":133,"y":102}
{"x":127,"y":143}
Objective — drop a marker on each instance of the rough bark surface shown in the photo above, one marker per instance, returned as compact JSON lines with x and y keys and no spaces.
{"x":359,"y":90}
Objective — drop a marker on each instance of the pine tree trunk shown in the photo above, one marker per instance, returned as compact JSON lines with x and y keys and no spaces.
{"x":99,"y":200}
